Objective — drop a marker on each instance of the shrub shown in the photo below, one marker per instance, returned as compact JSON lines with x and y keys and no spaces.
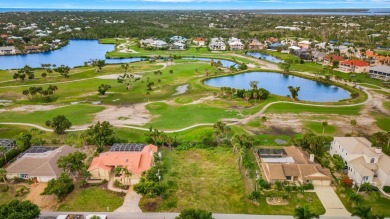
{"x":346,"y":181}
{"x":255,"y":195}
{"x":386,"y":189}
{"x":308,"y":186}
{"x":264,"y":184}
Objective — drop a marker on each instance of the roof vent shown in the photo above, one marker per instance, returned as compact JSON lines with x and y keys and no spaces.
{"x":127,"y":160}
{"x":378,"y":150}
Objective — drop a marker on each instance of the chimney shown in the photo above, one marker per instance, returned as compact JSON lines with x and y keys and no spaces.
{"x":311,"y":158}
{"x":378,"y":150}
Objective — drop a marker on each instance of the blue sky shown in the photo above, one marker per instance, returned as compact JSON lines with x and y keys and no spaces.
{"x":194,"y":4}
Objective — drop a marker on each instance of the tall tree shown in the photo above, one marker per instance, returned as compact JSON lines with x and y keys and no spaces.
{"x":59,"y":124}
{"x":103,"y":88}
{"x":324,"y":124}
{"x":253,"y":84}
{"x":60,"y":187}
{"x":20,"y":210}
{"x":73,"y":162}
{"x":100,"y":134}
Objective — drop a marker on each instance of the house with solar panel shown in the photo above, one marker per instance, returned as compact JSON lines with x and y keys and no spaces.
{"x":8,"y":144}
{"x":136,"y":158}
{"x":39,"y":163}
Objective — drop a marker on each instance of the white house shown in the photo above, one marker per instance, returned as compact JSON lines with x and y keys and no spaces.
{"x":178,"y":46}
{"x":7,"y":50}
{"x":235,"y":44}
{"x":364,"y":162}
{"x":217,"y":44}
{"x":380,"y":72}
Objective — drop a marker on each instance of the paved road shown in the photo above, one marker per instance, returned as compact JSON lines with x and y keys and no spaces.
{"x":123,"y":215}
{"x":331,"y":202}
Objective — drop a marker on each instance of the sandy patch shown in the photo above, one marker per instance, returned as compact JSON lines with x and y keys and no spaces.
{"x":44,"y":202}
{"x":203,"y":99}
{"x":31,"y":108}
{"x":135,"y":114}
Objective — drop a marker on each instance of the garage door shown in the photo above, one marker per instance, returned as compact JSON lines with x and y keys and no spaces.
{"x":321,"y":182}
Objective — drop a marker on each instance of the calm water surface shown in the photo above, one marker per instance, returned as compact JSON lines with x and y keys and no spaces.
{"x":225,"y":63}
{"x":264,"y":56}
{"x":277,"y":84}
{"x":74,"y":54}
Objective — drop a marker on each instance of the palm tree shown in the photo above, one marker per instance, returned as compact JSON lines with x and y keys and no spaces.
{"x":304,"y":213}
{"x":3,"y":175}
{"x":253,"y":84}
{"x":362,"y":211}
{"x":324,"y":124}
{"x":294,"y":91}
{"x":353,"y":124}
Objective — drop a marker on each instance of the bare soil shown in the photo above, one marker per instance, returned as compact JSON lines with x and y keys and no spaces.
{"x":44,"y":202}
{"x":135,"y":114}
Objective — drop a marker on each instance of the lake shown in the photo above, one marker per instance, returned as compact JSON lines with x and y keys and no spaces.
{"x":225,"y":63}
{"x":264,"y":56}
{"x":277,"y":83}
{"x":74,"y":54}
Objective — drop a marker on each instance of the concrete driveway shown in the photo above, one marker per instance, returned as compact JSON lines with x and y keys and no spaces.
{"x":331,"y":202}
{"x":130,"y":204}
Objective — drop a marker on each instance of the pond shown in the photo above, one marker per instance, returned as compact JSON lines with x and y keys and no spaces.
{"x":264,"y":56}
{"x":277,"y":83}
{"x":74,"y":54}
{"x":225,"y":63}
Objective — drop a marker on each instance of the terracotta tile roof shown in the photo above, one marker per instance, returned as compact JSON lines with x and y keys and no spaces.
{"x":296,"y":154}
{"x":334,"y":58}
{"x":199,"y":39}
{"x":135,"y":161}
{"x":354,"y":62}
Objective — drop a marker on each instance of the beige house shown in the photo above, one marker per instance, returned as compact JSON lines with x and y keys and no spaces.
{"x":356,"y":66}
{"x":136,"y":158}
{"x":199,"y":41}
{"x":39,"y":163}
{"x":364,"y":162}
{"x":292,"y":164}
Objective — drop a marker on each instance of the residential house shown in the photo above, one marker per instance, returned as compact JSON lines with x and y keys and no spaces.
{"x":136,"y":158}
{"x":146,"y":42}
{"x":272,"y":40}
{"x":32,"y":49}
{"x":199,"y":41}
{"x":217,"y":44}
{"x":178,"y":46}
{"x":8,"y":144}
{"x":293,"y":165}
{"x":364,"y":162}
{"x":255,"y":45}
{"x":380,"y":72}
{"x":160,"y":44}
{"x":275,"y":46}
{"x":356,"y":66}
{"x":235,"y":44}
{"x":305,"y":44}
{"x":178,"y":39}
{"x":7,"y":50}
{"x":318,"y":56}
{"x":39,"y":163}
{"x":329,"y":59}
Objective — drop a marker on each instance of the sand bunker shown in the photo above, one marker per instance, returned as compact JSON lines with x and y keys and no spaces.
{"x":125,"y":115}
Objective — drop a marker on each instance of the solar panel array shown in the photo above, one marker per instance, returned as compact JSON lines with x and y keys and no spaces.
{"x":37,"y":150}
{"x":7,"y":143}
{"x":127,"y":147}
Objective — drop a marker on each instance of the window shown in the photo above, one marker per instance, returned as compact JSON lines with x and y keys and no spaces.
{"x":23,"y":175}
{"x":365,"y":178}
{"x":372,"y":160}
{"x":289,"y":177}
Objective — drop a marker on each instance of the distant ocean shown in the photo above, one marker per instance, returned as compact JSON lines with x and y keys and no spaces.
{"x":345,"y":12}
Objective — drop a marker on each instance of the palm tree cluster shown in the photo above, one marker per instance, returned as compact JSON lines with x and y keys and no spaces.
{"x":47,"y":95}
{"x":24,"y":72}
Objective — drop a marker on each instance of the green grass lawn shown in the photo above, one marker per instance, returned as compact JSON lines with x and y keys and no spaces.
{"x":112,"y":40}
{"x":386,"y":105}
{"x":209,"y":179}
{"x":317,"y":128}
{"x":383,"y":122}
{"x":7,"y":196}
{"x":11,"y":131}
{"x":176,"y":117}
{"x":91,"y":200}
{"x":77,"y":114}
{"x":294,"y":108}
{"x":375,"y":200}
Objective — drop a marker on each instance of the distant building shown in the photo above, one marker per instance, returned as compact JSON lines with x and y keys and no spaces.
{"x":217,"y":44}
{"x":380,"y":72}
{"x":329,"y":59}
{"x":275,"y":46}
{"x":255,"y":45}
{"x":178,"y":46}
{"x":288,"y":28}
{"x":305,"y":44}
{"x":199,"y":41}
{"x":356,"y":66}
{"x":7,"y":50}
{"x":178,"y":39}
{"x":235,"y":44}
